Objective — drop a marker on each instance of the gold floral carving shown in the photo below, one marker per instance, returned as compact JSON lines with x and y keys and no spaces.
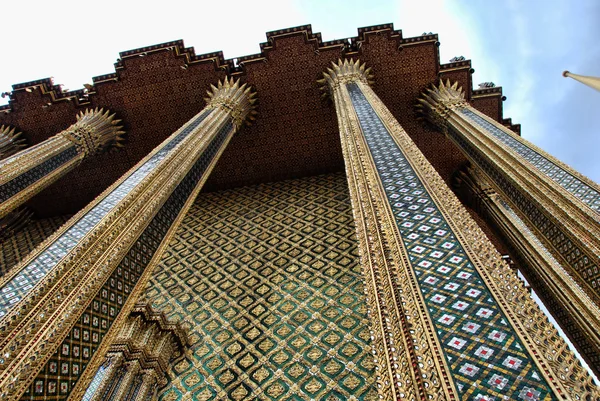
{"x":238,"y":100}
{"x":32,"y":328}
{"x":95,"y":131}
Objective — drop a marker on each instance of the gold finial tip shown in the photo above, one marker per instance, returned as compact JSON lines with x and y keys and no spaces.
{"x":565,"y":73}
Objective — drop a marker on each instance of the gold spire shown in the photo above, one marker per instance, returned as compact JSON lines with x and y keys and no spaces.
{"x":96,"y":130}
{"x":231,"y":96}
{"x":10,"y":141}
{"x":592,"y":82}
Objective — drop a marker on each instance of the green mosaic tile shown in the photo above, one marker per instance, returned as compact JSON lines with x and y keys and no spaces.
{"x":485,"y":355}
{"x":268,"y":281}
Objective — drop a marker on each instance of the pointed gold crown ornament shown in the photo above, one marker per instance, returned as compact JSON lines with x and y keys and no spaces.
{"x":240,"y":100}
{"x":95,"y":131}
{"x":344,"y":72}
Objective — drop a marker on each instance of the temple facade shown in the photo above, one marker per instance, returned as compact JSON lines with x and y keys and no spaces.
{"x":337,"y":220}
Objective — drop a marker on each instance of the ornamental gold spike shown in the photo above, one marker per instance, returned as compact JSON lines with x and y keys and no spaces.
{"x":435,"y":102}
{"x":342,"y":72}
{"x":29,"y":171}
{"x":11,"y":141}
{"x":95,"y":131}
{"x":231,"y":96}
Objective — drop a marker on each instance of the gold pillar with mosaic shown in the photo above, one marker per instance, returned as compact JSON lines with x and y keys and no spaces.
{"x":28,"y":172}
{"x":450,"y":320}
{"x":63,"y":304}
{"x":567,"y":301}
{"x":560,"y":206}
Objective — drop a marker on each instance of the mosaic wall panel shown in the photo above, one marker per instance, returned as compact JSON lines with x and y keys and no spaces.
{"x":570,"y":251}
{"x":582,"y":191}
{"x":64,"y":368}
{"x":16,"y":247}
{"x":486,"y":357}
{"x":35,"y":270}
{"x":31,"y":176}
{"x":267,"y":280}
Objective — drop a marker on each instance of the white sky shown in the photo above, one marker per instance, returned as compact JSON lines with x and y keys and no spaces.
{"x":522,"y":46}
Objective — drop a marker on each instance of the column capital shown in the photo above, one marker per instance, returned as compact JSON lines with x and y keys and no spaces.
{"x":95,"y":131}
{"x":343,"y":72}
{"x":436,"y":102}
{"x":238,"y":99}
{"x":10,"y":141}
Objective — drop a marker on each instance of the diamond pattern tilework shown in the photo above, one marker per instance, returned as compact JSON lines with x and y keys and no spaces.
{"x":472,"y":329}
{"x":267,"y":278}
{"x":585,"y":193}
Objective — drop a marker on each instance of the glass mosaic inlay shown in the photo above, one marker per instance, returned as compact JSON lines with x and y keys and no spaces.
{"x":64,"y":368}
{"x":269,"y":283}
{"x":31,"y":176}
{"x":32,"y":273}
{"x":486,"y":357}
{"x":582,"y":191}
{"x":569,"y":250}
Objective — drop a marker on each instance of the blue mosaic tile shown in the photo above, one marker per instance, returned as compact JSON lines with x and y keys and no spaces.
{"x":30,"y":274}
{"x":36,"y":173}
{"x":582,"y":191}
{"x":484,"y":353}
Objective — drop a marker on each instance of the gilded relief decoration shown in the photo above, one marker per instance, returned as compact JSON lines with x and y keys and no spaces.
{"x":459,"y":308}
{"x":267,"y":280}
{"x":138,"y":358}
{"x":58,"y":306}
{"x":10,"y":141}
{"x":28,"y":172}
{"x":558,"y":205}
{"x":567,"y":301}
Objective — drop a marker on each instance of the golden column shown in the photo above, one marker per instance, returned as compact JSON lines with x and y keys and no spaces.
{"x":62,"y":305}
{"x":450,"y":319}
{"x":560,"y":206}
{"x":569,"y":304}
{"x":28,"y":172}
